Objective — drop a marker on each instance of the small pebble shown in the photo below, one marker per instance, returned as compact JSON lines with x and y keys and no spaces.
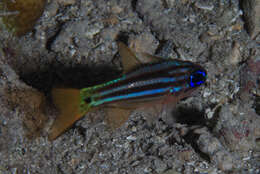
{"x":131,"y":137}
{"x":209,"y":113}
{"x":204,"y":5}
{"x":225,"y":162}
{"x":93,"y":30}
{"x":160,"y":166}
{"x":235,"y":56}
{"x":148,"y":170}
{"x":66,"y":2}
{"x":145,"y":42}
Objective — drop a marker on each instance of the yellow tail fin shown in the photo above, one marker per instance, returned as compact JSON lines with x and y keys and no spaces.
{"x":67,"y":100}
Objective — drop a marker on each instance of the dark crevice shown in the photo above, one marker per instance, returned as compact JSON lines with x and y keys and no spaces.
{"x":175,"y":49}
{"x":146,"y":148}
{"x":82,"y":131}
{"x":59,"y":169}
{"x":171,"y":141}
{"x":80,"y":76}
{"x":211,"y":52}
{"x":133,"y":4}
{"x":244,"y":16}
{"x":123,"y":37}
{"x":191,"y":138}
{"x":192,"y":117}
{"x":165,"y":4}
{"x":115,"y":59}
{"x":165,"y":46}
{"x":160,"y":46}
{"x":134,"y":7}
{"x":257,"y":105}
{"x":52,"y":38}
{"x":164,"y":49}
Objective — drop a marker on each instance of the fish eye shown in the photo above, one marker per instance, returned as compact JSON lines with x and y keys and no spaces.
{"x":197,"y":78}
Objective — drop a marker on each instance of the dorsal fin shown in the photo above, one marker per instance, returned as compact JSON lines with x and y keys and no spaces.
{"x":129,"y":59}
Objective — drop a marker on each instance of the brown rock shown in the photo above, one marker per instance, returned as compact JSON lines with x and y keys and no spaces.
{"x":217,"y":153}
{"x":32,"y":104}
{"x":235,"y":56}
{"x":251,"y":10}
{"x":28,"y":11}
{"x":145,"y":42}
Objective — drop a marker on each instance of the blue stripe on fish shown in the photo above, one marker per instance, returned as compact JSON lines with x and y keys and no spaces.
{"x":175,"y":89}
{"x":157,"y":67}
{"x":131,"y":95}
{"x":152,"y":68}
{"x":179,"y":70}
{"x":142,"y":83}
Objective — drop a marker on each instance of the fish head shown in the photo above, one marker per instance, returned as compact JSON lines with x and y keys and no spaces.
{"x":197,"y":77}
{"x":189,"y":77}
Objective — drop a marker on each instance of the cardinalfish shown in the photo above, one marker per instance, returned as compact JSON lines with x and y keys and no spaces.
{"x":152,"y":84}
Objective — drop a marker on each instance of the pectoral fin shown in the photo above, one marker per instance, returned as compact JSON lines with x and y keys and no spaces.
{"x":116,"y":117}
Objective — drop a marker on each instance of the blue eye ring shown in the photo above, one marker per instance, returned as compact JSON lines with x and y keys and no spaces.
{"x":193,"y":78}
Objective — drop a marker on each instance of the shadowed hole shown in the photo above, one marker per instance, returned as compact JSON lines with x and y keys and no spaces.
{"x":191,"y":117}
{"x":77,"y":77}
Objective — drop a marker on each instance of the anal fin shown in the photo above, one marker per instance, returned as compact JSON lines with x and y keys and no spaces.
{"x":116,"y":117}
{"x":151,"y":113}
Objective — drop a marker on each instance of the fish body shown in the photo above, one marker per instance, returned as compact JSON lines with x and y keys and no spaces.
{"x":142,"y":84}
{"x":148,"y":82}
